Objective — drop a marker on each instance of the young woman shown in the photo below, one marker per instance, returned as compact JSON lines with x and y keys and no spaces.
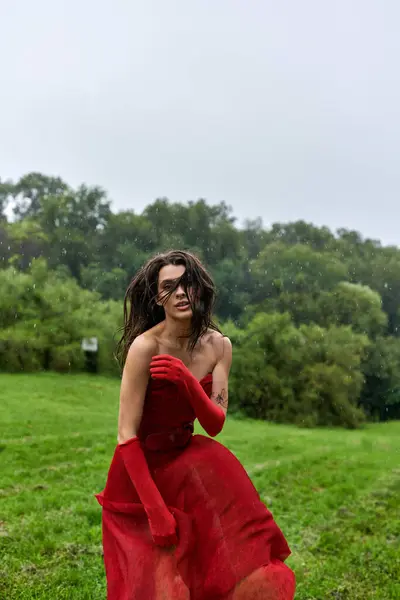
{"x":181,"y":519}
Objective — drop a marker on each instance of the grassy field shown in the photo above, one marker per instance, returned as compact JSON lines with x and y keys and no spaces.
{"x":334,"y":493}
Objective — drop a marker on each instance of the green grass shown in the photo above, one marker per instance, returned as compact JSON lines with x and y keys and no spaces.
{"x":334,"y":493}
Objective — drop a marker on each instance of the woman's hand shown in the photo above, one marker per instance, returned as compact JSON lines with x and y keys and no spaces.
{"x":211,"y":413}
{"x":164,"y":366}
{"x":163,"y":527}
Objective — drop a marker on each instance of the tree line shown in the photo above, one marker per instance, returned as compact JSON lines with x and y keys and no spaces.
{"x":314,"y":314}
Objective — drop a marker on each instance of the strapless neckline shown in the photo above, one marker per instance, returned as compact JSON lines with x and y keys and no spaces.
{"x":207,"y":376}
{"x":201,"y":381}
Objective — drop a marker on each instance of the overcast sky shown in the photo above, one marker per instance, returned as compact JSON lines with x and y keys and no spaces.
{"x":284,"y":109}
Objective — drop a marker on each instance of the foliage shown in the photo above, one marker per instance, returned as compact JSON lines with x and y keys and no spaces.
{"x":304,"y":286}
{"x":43,"y":318}
{"x":381,"y":393}
{"x":355,"y":305}
{"x":308,"y":375}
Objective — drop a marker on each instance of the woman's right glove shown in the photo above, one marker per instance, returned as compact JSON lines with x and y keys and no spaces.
{"x":161,"y":522}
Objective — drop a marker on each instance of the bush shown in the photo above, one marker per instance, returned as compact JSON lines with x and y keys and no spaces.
{"x":45,"y":315}
{"x":18,"y":354}
{"x":67,"y":358}
{"x":309,"y":376}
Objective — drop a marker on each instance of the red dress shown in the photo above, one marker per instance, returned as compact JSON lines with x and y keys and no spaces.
{"x":229,"y":548}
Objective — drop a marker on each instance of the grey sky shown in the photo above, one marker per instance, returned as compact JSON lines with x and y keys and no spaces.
{"x":285,"y":109}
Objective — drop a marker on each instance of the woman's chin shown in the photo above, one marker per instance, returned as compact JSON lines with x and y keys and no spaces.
{"x":183,"y":315}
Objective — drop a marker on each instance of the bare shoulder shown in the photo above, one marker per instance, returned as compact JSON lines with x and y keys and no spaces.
{"x":221,"y":344}
{"x":142,"y":349}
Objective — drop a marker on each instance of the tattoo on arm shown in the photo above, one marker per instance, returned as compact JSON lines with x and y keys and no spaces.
{"x":221,"y":398}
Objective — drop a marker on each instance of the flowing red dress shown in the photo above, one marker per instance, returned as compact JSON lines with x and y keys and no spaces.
{"x":229,"y":548}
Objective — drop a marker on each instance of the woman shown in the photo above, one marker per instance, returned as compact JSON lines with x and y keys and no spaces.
{"x":181,"y":519}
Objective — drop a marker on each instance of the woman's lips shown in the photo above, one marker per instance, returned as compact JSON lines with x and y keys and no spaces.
{"x":184,"y":306}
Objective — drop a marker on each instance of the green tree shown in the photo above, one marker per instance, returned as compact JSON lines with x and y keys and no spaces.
{"x":253,"y":238}
{"x":297,"y":268}
{"x":380,"y":396}
{"x":300,"y":232}
{"x":26,"y":241}
{"x":380,"y":270}
{"x":6,"y":188}
{"x":30,"y":190}
{"x":109,"y":284}
{"x":310,"y":376}
{"x":355,"y":305}
{"x":73,"y":222}
{"x":331,"y":381}
{"x":291,"y":279}
{"x":232,"y":294}
{"x":267,"y":355}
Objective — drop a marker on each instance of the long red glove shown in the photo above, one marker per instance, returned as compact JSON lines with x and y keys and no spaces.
{"x":162,"y":523}
{"x":211,"y":416}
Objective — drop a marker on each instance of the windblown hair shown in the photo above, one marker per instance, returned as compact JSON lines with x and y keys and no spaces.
{"x":141,"y":311}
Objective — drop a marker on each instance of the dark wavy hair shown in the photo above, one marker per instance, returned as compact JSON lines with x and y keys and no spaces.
{"x":141,"y":311}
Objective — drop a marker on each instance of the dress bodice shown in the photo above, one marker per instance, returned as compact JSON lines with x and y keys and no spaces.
{"x":166,"y":407}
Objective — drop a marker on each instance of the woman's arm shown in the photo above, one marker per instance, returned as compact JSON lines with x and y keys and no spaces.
{"x":133,"y":391}
{"x":221,"y":371}
{"x":134,"y":382}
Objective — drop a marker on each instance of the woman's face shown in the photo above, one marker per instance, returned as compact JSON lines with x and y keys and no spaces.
{"x":177,"y":305}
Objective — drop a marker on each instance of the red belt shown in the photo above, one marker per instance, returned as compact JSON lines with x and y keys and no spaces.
{"x":168,"y":440}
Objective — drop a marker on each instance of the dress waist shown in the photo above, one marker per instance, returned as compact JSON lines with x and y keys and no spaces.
{"x":178,"y":437}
